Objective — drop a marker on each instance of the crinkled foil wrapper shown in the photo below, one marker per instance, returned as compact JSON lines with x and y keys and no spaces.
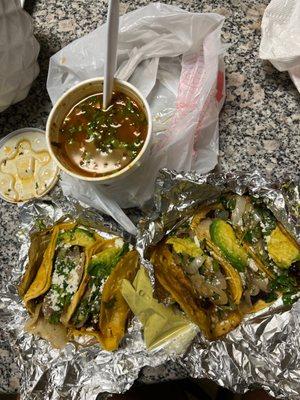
{"x":262,"y":352}
{"x":81,"y":373}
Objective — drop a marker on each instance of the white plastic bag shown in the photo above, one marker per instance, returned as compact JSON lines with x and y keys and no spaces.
{"x":175,"y":59}
{"x":280,"y":43}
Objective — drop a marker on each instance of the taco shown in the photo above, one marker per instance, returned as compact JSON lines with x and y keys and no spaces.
{"x":72,"y":284}
{"x":213,"y":267}
{"x":59,"y":274}
{"x":101,"y":310}
{"x":268,"y":254}
{"x":200,"y":280}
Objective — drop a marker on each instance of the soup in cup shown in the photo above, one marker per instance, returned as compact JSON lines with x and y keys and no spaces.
{"x":94,"y":144}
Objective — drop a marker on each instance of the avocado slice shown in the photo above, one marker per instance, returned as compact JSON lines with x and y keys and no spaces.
{"x":282,"y":250}
{"x":185,"y":246}
{"x":224,"y":237}
{"x":77,"y":237}
{"x":103,"y":263}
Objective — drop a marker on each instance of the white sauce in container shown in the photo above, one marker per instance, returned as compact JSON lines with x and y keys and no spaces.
{"x":26,"y":167}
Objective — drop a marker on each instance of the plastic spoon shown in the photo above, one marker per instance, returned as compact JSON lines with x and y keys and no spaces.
{"x":111,"y":51}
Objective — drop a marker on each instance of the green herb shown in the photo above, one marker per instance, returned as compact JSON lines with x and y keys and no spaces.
{"x":253,"y":235}
{"x":129,"y":106}
{"x":268,"y":220}
{"x":72,"y":129}
{"x":92,"y":132}
{"x":228,"y":202}
{"x":222,"y":214}
{"x":54,"y":318}
{"x":82,"y":312}
{"x":285,"y":284}
{"x":89,"y":307}
{"x":67,"y":299}
{"x":86,"y":156}
{"x":64,"y":266}
{"x":36,"y":185}
{"x":103,"y":264}
{"x":40,"y":224}
{"x":272,"y":296}
{"x":288,"y":300}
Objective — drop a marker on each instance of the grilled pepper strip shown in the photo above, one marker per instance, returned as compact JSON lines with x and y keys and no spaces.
{"x":114,"y":309}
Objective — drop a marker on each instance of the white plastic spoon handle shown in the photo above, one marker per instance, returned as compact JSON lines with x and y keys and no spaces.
{"x":111,"y":51}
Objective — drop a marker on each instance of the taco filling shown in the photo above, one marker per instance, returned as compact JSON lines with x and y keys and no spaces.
{"x":76,"y":288}
{"x":67,"y":274}
{"x":237,"y":258}
{"x":99,"y":269}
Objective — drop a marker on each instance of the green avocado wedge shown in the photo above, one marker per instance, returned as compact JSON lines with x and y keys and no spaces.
{"x":102,"y":264}
{"x":282,"y":250}
{"x":224,"y":237}
{"x":77,"y":236}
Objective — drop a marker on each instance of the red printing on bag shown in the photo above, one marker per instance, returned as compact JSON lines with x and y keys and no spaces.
{"x":220,"y":85}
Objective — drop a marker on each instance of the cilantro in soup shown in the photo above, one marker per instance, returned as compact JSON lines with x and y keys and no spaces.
{"x":97,"y":142}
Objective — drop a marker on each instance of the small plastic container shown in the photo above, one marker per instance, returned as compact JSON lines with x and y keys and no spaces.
{"x":26,"y":167}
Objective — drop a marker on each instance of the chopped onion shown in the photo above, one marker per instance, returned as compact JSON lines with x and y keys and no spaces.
{"x":254,"y":290}
{"x":202,"y":230}
{"x":192,"y":267}
{"x":220,"y":280}
{"x":222,"y":299}
{"x":205,"y":289}
{"x":255,"y":216}
{"x":262,"y":284}
{"x":237,"y":213}
{"x":257,"y":284}
{"x":201,"y":286}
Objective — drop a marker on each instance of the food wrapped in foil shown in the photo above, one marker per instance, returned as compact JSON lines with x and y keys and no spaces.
{"x":79,"y":370}
{"x":261,"y":352}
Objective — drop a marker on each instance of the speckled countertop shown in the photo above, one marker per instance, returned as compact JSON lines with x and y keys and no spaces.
{"x":259,"y":124}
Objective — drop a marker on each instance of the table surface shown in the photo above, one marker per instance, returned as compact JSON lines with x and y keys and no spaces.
{"x":259,"y":124}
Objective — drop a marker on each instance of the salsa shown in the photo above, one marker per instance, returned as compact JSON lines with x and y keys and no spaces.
{"x":97,"y":142}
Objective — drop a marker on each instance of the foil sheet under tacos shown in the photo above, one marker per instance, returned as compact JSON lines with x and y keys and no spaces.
{"x":229,"y":259}
{"x":72,"y":282}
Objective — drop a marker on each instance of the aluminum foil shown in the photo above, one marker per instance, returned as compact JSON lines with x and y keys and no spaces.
{"x":262,"y":352}
{"x":81,"y":372}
